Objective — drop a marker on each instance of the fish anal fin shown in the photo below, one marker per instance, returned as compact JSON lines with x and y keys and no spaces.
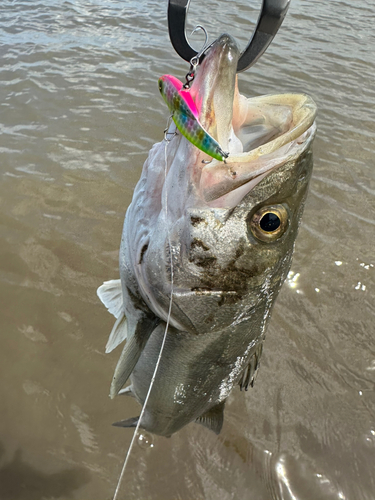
{"x":118,"y":334}
{"x":130,"y":422}
{"x":213,"y":419}
{"x":250,"y":372}
{"x":110,"y":293}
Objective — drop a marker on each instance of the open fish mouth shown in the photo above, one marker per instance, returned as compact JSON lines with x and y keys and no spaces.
{"x":260,"y":133}
{"x":276,"y":129}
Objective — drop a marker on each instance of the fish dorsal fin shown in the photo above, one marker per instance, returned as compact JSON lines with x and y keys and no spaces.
{"x":213,"y":419}
{"x":110,"y":293}
{"x":250,"y":372}
{"x":118,"y":334}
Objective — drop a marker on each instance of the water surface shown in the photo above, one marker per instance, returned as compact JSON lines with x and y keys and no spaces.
{"x":79,"y":111}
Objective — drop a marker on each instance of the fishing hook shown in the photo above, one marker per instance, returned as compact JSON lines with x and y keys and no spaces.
{"x":194,"y":61}
{"x":168,"y":136}
{"x":269,"y":21}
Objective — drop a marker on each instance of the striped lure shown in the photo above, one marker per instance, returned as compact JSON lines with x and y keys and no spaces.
{"x":186,"y":116}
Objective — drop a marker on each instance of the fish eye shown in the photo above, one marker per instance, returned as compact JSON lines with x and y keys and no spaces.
{"x":269,"y":223}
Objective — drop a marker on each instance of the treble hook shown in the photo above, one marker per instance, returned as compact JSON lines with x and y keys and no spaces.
{"x":270,"y":19}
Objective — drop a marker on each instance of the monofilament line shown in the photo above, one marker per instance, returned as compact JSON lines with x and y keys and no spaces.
{"x":162,"y":344}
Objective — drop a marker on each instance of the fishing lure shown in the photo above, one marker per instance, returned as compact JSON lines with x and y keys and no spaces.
{"x":186,"y":116}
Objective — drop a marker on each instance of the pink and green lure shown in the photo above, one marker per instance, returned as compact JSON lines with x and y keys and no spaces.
{"x":186,"y":116}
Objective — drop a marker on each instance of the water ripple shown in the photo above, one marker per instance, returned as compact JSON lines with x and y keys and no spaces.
{"x":80,"y":109}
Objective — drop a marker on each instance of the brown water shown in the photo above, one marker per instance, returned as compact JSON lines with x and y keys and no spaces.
{"x":79,"y":111}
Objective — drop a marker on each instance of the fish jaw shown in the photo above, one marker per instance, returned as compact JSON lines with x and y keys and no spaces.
{"x":259,"y":133}
{"x":213,"y":89}
{"x":203,"y":113}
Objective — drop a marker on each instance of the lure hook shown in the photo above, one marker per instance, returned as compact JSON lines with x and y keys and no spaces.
{"x":168,"y":136}
{"x":269,"y":21}
{"x":194,"y":61}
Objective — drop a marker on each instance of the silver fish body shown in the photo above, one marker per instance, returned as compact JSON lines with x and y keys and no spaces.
{"x":213,"y":241}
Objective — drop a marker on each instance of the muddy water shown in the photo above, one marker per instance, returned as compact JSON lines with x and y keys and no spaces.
{"x":79,"y":111}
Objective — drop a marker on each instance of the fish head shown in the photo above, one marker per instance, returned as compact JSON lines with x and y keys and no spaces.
{"x":218,"y":236}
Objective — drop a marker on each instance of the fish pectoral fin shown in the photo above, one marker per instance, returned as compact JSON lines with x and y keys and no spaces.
{"x":130,"y":422}
{"x":250,"y":372}
{"x":213,"y":419}
{"x":110,"y":293}
{"x":136,"y":342}
{"x":118,"y":334}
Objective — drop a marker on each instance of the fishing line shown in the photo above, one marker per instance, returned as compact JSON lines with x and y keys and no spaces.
{"x":167,"y":140}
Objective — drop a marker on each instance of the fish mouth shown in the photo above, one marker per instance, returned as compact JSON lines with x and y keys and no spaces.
{"x":260,"y":133}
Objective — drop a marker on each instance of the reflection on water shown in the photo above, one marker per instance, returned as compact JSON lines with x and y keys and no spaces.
{"x":18,"y":480}
{"x":79,"y":111}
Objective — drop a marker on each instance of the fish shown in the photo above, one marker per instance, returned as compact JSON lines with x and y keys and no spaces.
{"x":206,"y":247}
